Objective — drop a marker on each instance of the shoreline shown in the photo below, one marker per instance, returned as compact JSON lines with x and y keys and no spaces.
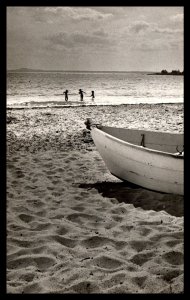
{"x":91,"y":105}
{"x":60,"y":129}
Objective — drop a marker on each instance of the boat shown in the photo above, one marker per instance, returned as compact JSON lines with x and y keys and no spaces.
{"x":149,"y":159}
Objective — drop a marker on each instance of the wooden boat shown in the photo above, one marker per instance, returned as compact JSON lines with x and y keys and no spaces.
{"x":145,"y":158}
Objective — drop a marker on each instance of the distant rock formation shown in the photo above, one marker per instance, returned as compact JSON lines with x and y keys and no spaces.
{"x":24,"y":70}
{"x":165,"y":72}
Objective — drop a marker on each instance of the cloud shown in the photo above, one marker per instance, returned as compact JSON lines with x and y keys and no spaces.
{"x":100,"y":33}
{"x":56,"y":14}
{"x":145,"y":36}
{"x":142,"y":28}
{"x":77,"y":39}
{"x":86,"y":39}
{"x":177,"y":18}
{"x":68,"y":35}
{"x":167,"y":30}
{"x":60,"y":39}
{"x":158,"y":45}
{"x":151,"y":46}
{"x":175,"y":44}
{"x":139,"y":26}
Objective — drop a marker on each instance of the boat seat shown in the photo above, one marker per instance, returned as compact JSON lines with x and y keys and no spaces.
{"x":143,"y":140}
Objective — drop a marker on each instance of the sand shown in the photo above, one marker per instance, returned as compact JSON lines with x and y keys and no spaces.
{"x":72,"y":227}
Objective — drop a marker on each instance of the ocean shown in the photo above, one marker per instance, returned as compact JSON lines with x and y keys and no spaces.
{"x":45,"y":89}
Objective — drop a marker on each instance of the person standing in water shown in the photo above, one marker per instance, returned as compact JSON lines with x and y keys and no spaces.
{"x":81,"y":94}
{"x":92,"y":95}
{"x":66,"y":95}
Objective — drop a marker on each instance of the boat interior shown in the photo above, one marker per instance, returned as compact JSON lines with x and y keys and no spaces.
{"x":161,"y":141}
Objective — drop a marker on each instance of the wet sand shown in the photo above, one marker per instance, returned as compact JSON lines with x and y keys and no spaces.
{"x":72,"y":227}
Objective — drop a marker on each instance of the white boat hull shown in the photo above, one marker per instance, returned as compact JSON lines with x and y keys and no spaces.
{"x":152,"y":169}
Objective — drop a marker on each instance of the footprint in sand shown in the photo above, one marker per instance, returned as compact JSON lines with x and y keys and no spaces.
{"x":62,"y":230}
{"x":56,"y":194}
{"x":40,"y":226}
{"x":174,"y":258}
{"x":47,"y":165}
{"x":51,"y":172}
{"x":22,"y":243}
{"x":145,"y":231}
{"x":78,"y":198}
{"x":98,"y":241}
{"x":41,"y":262}
{"x":142,"y":258}
{"x":171,"y":274}
{"x":84,"y":287}
{"x":19,"y":174}
{"x":117,"y":218}
{"x":10,"y":195}
{"x":26,"y":218}
{"x":114,"y":279}
{"x":127,"y":227}
{"x":95,"y":242}
{"x":44,"y":262}
{"x":139,"y":281}
{"x":81,"y":217}
{"x":119,"y":211}
{"x":69,"y":243}
{"x":38,"y":249}
{"x":27,"y":277}
{"x":41,"y":213}
{"x":69,"y":179}
{"x":78,"y":208}
{"x":37,"y":203}
{"x":158,"y":237}
{"x":32,"y":288}
{"x":50,"y":188}
{"x":172,"y":243}
{"x":106,"y":262}
{"x":14,"y":183}
{"x":140,"y":245}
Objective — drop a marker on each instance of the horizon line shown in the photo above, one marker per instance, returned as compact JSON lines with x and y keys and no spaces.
{"x":92,"y":71}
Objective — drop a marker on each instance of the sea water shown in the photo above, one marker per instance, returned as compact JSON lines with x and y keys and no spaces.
{"x":36,"y":89}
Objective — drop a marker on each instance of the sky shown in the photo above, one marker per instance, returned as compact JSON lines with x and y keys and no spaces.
{"x":95,"y":38}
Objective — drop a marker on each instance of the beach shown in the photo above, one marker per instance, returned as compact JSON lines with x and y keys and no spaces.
{"x":72,"y":227}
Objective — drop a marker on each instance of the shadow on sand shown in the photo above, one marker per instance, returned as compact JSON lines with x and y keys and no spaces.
{"x":139,"y":197}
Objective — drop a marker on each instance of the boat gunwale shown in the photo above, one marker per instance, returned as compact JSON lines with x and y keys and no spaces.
{"x":139,"y":147}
